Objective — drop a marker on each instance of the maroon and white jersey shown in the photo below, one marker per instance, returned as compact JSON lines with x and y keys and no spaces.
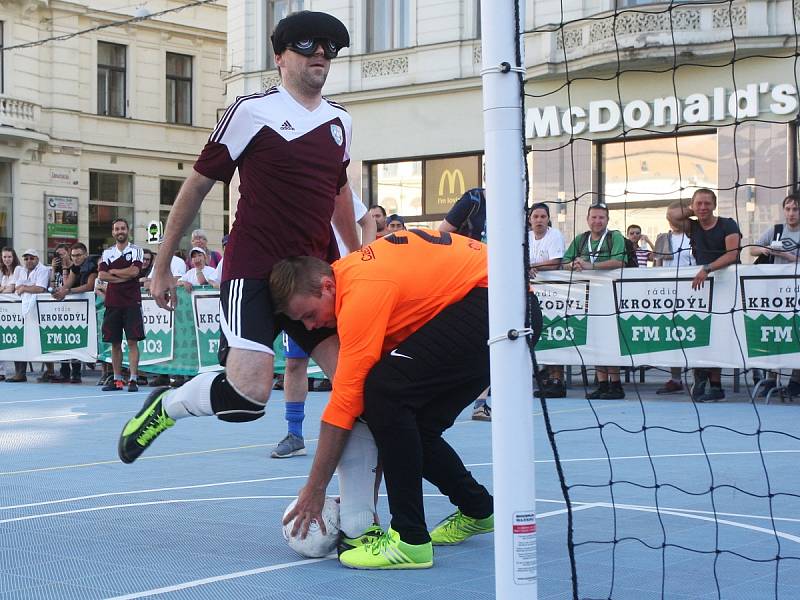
{"x":292,"y":162}
{"x":126,"y":293}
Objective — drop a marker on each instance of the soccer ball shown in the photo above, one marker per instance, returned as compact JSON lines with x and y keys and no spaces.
{"x":316,"y":544}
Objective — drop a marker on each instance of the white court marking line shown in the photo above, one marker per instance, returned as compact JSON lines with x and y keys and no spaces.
{"x":149,"y":503}
{"x":577,"y":505}
{"x":643,"y":456}
{"x":157,"y":502}
{"x":67,"y":416}
{"x":488,"y":464}
{"x":156,"y":457}
{"x":680,"y":513}
{"x":153,"y":490}
{"x":207,"y":580}
{"x":109,"y":395}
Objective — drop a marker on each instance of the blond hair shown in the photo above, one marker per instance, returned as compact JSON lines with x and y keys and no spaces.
{"x":297,"y":276}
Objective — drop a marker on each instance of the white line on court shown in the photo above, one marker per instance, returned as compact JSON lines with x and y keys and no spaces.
{"x":58,"y":398}
{"x":577,"y":505}
{"x":207,"y":580}
{"x":66,"y":416}
{"x":152,"y":491}
{"x":155,"y":457}
{"x":687,"y":515}
{"x":554,"y":513}
{"x":137,"y":504}
{"x":157,"y":502}
{"x":487,"y":464}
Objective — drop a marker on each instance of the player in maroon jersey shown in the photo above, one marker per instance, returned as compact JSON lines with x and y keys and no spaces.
{"x":291,"y":148}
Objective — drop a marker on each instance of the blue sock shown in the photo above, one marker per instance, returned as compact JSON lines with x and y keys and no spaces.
{"x":295,"y":413}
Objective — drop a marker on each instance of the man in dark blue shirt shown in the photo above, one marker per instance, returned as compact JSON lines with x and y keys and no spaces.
{"x":468,"y":215}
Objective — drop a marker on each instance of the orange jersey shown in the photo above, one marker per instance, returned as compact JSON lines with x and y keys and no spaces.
{"x":387,"y":291}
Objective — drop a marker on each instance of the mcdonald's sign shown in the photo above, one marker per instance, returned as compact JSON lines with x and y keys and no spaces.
{"x":446,"y":180}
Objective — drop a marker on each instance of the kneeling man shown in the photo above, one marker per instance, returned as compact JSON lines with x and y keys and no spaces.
{"x":411,"y":312}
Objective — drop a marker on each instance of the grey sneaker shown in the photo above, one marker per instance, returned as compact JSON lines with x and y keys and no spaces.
{"x":482,"y":413}
{"x":698,"y":390}
{"x":714,"y":394}
{"x":291,"y":445}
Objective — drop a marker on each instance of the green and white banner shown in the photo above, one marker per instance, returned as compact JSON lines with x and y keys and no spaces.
{"x":769,"y":315}
{"x":744,"y":316}
{"x":39,"y":328}
{"x":12,"y":323}
{"x":157,"y":346}
{"x":63,"y":325}
{"x":206,"y":322}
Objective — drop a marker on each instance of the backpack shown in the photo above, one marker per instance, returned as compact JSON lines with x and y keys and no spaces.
{"x":769,"y":259}
{"x":630,"y":250}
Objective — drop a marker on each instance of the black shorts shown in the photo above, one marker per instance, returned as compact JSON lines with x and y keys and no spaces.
{"x":248,"y":320}
{"x":123,"y":318}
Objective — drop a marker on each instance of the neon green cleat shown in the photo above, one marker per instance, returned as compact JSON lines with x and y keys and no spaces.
{"x":372,"y":533}
{"x":389,"y":552}
{"x":146,"y":426}
{"x":458,"y":527}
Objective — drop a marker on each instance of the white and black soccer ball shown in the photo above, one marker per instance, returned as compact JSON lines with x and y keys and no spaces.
{"x":316,"y":544}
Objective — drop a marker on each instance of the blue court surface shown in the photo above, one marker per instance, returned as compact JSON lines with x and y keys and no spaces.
{"x":198,"y":515}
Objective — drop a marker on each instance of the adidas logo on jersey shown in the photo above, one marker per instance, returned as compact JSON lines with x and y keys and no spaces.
{"x":287,"y":126}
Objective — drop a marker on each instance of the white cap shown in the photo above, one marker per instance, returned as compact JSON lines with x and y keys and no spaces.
{"x":197,"y":249}
{"x":30,"y":252}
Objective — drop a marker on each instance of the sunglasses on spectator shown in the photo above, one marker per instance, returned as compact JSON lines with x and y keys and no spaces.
{"x":28,"y":258}
{"x":308,"y":46}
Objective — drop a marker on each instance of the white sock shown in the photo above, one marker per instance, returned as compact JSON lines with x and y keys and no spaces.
{"x":356,"y":471}
{"x":192,"y":399}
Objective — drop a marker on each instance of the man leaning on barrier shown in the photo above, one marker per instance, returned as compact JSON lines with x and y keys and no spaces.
{"x":715,"y":245}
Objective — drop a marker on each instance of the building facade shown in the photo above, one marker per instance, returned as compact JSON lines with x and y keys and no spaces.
{"x":106,"y":123}
{"x":411,"y":80}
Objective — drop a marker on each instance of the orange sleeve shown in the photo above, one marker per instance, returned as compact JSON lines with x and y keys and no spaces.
{"x":361,"y":324}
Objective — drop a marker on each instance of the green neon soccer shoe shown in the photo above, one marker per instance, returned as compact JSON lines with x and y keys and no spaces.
{"x":372,"y":533}
{"x":458,"y":527}
{"x":145,"y":427}
{"x":389,"y":552}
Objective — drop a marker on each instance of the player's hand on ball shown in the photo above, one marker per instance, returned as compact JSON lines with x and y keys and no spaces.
{"x":308,"y":508}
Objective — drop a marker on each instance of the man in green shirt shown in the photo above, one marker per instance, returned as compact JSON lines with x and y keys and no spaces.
{"x":599,"y":248}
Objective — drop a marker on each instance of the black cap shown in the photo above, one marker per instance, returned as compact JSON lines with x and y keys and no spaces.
{"x":307,"y":24}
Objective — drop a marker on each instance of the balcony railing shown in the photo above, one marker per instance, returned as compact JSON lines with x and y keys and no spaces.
{"x":17,"y":113}
{"x":657,"y":27}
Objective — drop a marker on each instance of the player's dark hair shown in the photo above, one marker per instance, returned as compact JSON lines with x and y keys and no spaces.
{"x":633,"y":227}
{"x":14,"y":263}
{"x":792,"y":198}
{"x":380,"y":208}
{"x":120,"y":220}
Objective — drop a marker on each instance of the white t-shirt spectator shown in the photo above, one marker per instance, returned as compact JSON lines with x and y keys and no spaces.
{"x":549,"y":247}
{"x":9,"y":279}
{"x":209,"y":273}
{"x":177,"y":266}
{"x":682,"y":251}
{"x":40,"y":276}
{"x":359,"y":210}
